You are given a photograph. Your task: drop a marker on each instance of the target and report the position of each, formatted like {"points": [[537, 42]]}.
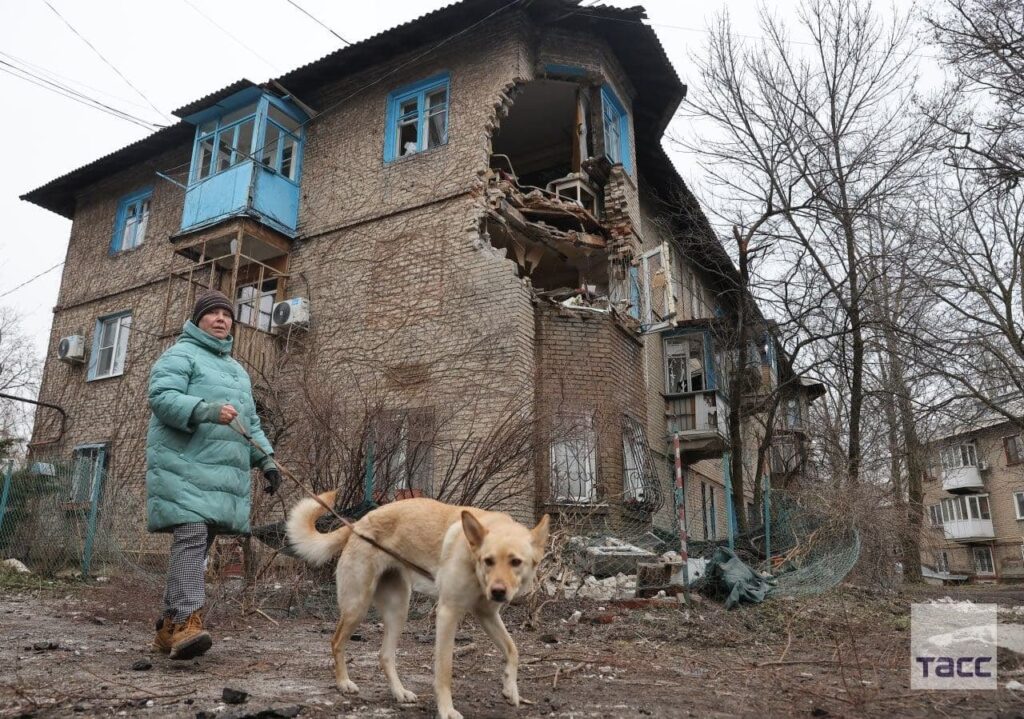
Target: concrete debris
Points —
{"points": [[16, 566]]}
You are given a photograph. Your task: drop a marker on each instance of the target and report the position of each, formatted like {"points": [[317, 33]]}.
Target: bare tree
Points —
{"points": [[983, 42], [19, 377], [816, 141]]}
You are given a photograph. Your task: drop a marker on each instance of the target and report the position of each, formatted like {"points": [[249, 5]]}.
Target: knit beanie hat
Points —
{"points": [[209, 300]]}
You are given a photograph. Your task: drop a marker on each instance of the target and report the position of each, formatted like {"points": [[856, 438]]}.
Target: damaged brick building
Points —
{"points": [[467, 218]]}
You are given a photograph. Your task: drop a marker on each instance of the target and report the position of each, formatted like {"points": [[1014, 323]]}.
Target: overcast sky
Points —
{"points": [[171, 53]]}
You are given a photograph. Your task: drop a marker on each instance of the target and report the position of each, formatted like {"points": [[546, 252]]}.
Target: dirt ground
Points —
{"points": [[73, 649]]}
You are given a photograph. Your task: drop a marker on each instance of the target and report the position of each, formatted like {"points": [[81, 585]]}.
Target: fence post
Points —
{"points": [[8, 473], [368, 477], [681, 513], [768, 520], [729, 509], [97, 489]]}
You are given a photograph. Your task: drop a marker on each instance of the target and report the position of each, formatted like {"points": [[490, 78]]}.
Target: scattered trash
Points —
{"points": [[1014, 685]]}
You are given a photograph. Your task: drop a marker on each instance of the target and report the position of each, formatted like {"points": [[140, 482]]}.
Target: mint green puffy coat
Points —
{"points": [[199, 470]]}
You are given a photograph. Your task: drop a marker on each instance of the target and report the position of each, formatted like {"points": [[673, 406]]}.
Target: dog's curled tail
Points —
{"points": [[315, 547]]}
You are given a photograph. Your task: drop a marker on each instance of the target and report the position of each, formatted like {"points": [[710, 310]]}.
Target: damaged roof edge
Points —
{"points": [[637, 46]]}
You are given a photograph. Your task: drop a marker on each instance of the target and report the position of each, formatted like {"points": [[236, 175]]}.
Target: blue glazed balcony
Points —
{"points": [[247, 188], [246, 161]]}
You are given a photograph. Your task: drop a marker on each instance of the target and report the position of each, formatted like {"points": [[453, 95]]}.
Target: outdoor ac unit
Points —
{"points": [[291, 312], [982, 465], [71, 348]]}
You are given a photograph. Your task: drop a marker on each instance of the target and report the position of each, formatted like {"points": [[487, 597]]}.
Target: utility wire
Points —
{"points": [[224, 30], [75, 95], [32, 279], [56, 76], [101, 57], [317, 21]]}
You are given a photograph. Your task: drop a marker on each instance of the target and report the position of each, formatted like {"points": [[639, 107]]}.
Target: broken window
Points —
{"points": [[417, 118], [685, 364], [254, 304], [404, 452], [223, 142], [573, 460], [656, 269], [88, 463], [616, 129], [131, 221], [709, 515], [640, 480]]}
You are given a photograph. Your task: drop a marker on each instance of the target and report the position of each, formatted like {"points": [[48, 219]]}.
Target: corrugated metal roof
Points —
{"points": [[635, 44]]}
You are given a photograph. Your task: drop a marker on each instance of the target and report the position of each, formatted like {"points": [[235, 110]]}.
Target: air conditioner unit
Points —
{"points": [[982, 466], [291, 312], [71, 348]]}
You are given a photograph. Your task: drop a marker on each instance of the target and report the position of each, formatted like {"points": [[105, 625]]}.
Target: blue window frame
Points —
{"points": [[110, 345], [264, 131], [417, 117], [616, 129], [131, 220]]}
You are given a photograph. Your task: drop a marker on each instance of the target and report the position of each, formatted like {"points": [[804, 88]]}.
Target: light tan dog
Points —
{"points": [[480, 560]]}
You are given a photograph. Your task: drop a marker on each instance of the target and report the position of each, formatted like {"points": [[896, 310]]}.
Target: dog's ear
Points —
{"points": [[539, 535], [475, 531]]}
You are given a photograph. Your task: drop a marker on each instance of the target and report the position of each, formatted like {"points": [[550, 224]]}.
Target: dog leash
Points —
{"points": [[237, 426]]}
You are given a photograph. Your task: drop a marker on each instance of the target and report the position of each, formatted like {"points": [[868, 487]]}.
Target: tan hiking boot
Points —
{"points": [[164, 629], [190, 639]]}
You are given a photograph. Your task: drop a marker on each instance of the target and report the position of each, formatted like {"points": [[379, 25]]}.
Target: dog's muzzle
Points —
{"points": [[499, 594]]}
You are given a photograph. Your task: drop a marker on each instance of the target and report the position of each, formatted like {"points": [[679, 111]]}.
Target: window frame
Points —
{"points": [[1018, 504], [254, 304], [100, 462], [991, 560], [956, 456], [121, 328], [419, 90], [1018, 443], [262, 121], [708, 378], [144, 200], [613, 112], [580, 445]]}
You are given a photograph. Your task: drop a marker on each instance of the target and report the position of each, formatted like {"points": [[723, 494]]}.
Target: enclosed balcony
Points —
{"points": [[701, 420], [969, 530], [246, 161], [967, 518], [962, 480], [961, 469]]}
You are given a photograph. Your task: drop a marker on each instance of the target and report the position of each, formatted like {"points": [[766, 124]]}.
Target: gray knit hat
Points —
{"points": [[209, 300]]}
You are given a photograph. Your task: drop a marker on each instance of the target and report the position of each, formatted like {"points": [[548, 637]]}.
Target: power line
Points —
{"points": [[40, 69], [101, 57], [232, 36], [317, 21], [75, 95], [32, 279]]}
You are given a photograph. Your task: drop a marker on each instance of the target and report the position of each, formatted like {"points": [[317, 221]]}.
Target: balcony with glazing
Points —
{"points": [[961, 470], [967, 518], [246, 161], [696, 409]]}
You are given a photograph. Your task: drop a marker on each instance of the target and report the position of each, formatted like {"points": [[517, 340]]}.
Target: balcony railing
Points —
{"points": [[961, 480], [700, 419], [255, 349], [968, 530]]}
